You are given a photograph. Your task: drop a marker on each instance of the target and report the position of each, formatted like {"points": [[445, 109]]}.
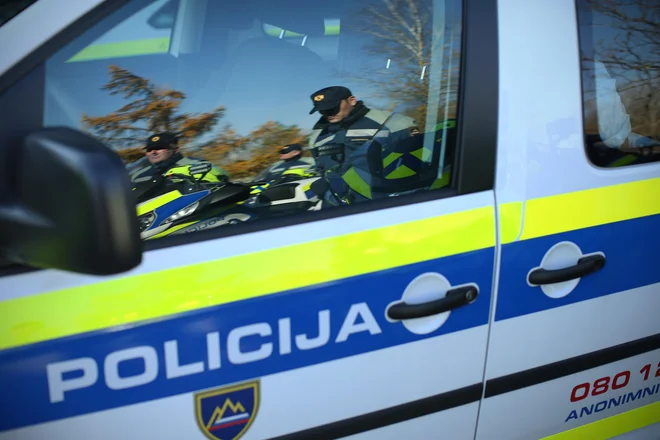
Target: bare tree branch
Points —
{"points": [[629, 48]]}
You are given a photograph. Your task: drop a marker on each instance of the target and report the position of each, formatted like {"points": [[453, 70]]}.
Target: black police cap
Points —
{"points": [[329, 97], [159, 141]]}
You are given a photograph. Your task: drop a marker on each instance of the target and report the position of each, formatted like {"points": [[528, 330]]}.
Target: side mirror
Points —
{"points": [[70, 206]]}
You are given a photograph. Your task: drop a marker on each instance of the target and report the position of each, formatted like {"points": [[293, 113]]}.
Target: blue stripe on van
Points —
{"points": [[24, 391], [632, 252]]}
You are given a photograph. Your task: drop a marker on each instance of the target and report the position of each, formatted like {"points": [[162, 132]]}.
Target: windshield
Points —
{"points": [[150, 188]]}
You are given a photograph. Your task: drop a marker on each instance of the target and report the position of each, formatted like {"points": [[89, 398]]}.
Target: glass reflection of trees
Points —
{"points": [[411, 44], [624, 36]]}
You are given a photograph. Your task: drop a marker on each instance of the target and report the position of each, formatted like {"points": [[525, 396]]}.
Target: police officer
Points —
{"points": [[163, 153], [346, 124], [290, 159]]}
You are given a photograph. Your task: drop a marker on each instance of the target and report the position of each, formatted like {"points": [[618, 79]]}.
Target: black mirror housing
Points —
{"points": [[70, 206]]}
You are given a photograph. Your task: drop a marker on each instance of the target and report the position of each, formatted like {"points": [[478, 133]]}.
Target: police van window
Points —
{"points": [[226, 112], [620, 51]]}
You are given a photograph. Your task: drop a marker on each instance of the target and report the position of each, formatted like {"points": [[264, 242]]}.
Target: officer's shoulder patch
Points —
{"points": [[200, 168], [227, 413]]}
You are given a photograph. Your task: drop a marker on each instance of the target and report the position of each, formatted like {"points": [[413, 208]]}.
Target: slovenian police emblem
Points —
{"points": [[227, 413]]}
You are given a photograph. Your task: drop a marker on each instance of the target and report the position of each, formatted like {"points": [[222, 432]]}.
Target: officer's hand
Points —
{"points": [[333, 150]]}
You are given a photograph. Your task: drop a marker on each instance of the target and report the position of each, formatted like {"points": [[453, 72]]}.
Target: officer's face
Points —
{"points": [[157, 156], [345, 108], [289, 155]]}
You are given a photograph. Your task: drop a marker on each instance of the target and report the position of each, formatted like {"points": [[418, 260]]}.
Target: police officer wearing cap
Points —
{"points": [[163, 153], [290, 159], [346, 124]]}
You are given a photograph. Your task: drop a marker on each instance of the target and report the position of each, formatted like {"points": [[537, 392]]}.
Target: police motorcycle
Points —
{"points": [[297, 190], [178, 204], [293, 191]]}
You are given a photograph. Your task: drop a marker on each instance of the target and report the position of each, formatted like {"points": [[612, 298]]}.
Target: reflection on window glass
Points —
{"points": [[147, 32], [226, 112], [620, 46]]}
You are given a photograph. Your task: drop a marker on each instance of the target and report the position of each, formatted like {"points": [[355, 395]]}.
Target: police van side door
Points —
{"points": [[575, 341], [318, 325]]}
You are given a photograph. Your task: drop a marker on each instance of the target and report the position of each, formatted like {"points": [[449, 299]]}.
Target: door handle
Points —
{"points": [[585, 266], [454, 298]]}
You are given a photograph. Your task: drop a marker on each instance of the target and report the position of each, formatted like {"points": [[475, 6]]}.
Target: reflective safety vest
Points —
{"points": [[186, 166], [359, 132], [396, 160]]}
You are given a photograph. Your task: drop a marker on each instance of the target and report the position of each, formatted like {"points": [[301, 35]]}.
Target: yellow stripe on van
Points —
{"points": [[593, 207], [610, 427], [128, 300], [511, 218]]}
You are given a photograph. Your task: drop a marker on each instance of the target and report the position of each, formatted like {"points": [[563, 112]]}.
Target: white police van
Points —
{"points": [[520, 301]]}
